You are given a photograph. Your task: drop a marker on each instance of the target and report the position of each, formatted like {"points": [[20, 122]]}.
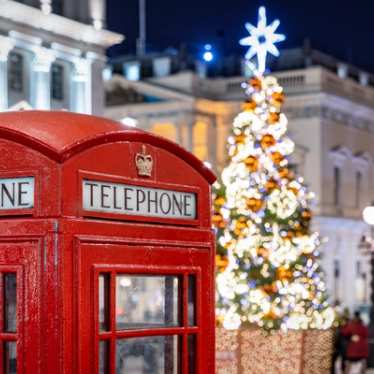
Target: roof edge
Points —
{"points": [[108, 137]]}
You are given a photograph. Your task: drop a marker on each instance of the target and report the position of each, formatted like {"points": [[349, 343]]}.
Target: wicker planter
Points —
{"points": [[251, 351]]}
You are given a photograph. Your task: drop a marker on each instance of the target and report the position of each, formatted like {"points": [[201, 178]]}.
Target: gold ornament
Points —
{"points": [[284, 274], [254, 204], [218, 220], [267, 141], [251, 163], [219, 201], [222, 262]]}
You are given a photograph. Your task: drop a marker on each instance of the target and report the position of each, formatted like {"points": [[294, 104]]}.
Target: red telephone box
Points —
{"points": [[106, 253]]}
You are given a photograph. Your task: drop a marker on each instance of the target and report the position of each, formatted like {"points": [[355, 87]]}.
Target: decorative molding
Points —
{"points": [[339, 155], [329, 114], [362, 161]]}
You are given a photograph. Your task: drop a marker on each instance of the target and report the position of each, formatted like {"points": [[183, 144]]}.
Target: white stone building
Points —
{"points": [[330, 107], [52, 54]]}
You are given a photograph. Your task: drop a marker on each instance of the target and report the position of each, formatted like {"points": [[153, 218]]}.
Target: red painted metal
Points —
{"points": [[57, 249]]}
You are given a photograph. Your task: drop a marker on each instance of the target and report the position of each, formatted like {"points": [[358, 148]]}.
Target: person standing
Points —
{"points": [[358, 344]]}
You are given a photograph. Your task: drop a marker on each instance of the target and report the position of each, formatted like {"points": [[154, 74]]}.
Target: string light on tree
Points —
{"points": [[267, 255]]}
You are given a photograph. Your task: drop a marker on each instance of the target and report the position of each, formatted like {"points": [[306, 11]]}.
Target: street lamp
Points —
{"points": [[367, 247]]}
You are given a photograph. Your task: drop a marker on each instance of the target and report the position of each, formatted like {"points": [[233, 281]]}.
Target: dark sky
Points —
{"points": [[342, 28]]}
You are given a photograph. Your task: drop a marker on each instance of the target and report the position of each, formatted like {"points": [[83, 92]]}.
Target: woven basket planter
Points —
{"points": [[251, 351]]}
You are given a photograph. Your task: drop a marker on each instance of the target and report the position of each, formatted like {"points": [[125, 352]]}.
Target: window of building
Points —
{"points": [[58, 6], [358, 188], [200, 140], [166, 130], [15, 72], [57, 82], [337, 185]]}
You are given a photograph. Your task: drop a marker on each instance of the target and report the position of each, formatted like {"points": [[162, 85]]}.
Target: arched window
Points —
{"points": [[337, 185], [15, 72], [358, 188], [57, 82], [58, 7]]}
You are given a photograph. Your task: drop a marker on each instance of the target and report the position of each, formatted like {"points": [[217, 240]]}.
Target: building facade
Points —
{"points": [[331, 119], [52, 54]]}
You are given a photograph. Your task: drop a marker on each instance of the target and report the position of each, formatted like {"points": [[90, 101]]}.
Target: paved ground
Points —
{"points": [[370, 371]]}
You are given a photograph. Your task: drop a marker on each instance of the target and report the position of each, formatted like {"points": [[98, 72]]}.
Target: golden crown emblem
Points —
{"points": [[144, 163]]}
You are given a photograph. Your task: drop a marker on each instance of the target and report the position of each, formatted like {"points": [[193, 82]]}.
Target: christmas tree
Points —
{"points": [[267, 255]]}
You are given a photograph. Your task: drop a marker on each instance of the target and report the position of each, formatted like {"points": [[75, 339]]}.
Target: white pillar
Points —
{"points": [[46, 6], [6, 45], [41, 79], [80, 87]]}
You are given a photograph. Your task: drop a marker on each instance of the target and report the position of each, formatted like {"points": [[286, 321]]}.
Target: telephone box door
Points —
{"points": [[18, 307], [146, 309]]}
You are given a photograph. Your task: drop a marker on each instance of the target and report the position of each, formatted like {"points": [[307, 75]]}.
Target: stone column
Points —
{"points": [[80, 87], [6, 45], [41, 79]]}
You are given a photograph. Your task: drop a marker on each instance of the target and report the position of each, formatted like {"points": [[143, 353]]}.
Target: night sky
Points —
{"points": [[344, 29]]}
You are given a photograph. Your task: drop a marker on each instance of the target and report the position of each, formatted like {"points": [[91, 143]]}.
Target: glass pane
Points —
{"points": [[146, 301], [191, 354], [103, 357], [191, 300], [10, 358], [149, 355], [10, 297], [104, 302]]}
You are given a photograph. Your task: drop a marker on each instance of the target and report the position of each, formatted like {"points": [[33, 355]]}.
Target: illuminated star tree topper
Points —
{"points": [[262, 39]]}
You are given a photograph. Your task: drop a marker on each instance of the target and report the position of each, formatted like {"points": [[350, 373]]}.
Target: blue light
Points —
{"points": [[208, 55]]}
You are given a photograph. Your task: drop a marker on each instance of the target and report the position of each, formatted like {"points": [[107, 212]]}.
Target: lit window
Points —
{"points": [[132, 71], [57, 82], [166, 130], [337, 177], [200, 140], [15, 72], [358, 187]]}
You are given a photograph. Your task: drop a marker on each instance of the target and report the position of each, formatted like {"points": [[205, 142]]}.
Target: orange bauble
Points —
{"points": [[267, 141], [271, 185], [270, 289], [249, 106], [219, 201], [263, 252], [277, 157], [307, 215], [285, 173], [256, 83], [251, 163], [277, 99], [254, 204], [222, 262], [273, 118], [218, 220], [239, 139]]}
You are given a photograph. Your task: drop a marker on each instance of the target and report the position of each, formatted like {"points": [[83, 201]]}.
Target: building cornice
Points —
{"points": [[35, 18]]}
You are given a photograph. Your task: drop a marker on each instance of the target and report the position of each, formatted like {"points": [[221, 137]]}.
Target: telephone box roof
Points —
{"points": [[60, 135]]}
